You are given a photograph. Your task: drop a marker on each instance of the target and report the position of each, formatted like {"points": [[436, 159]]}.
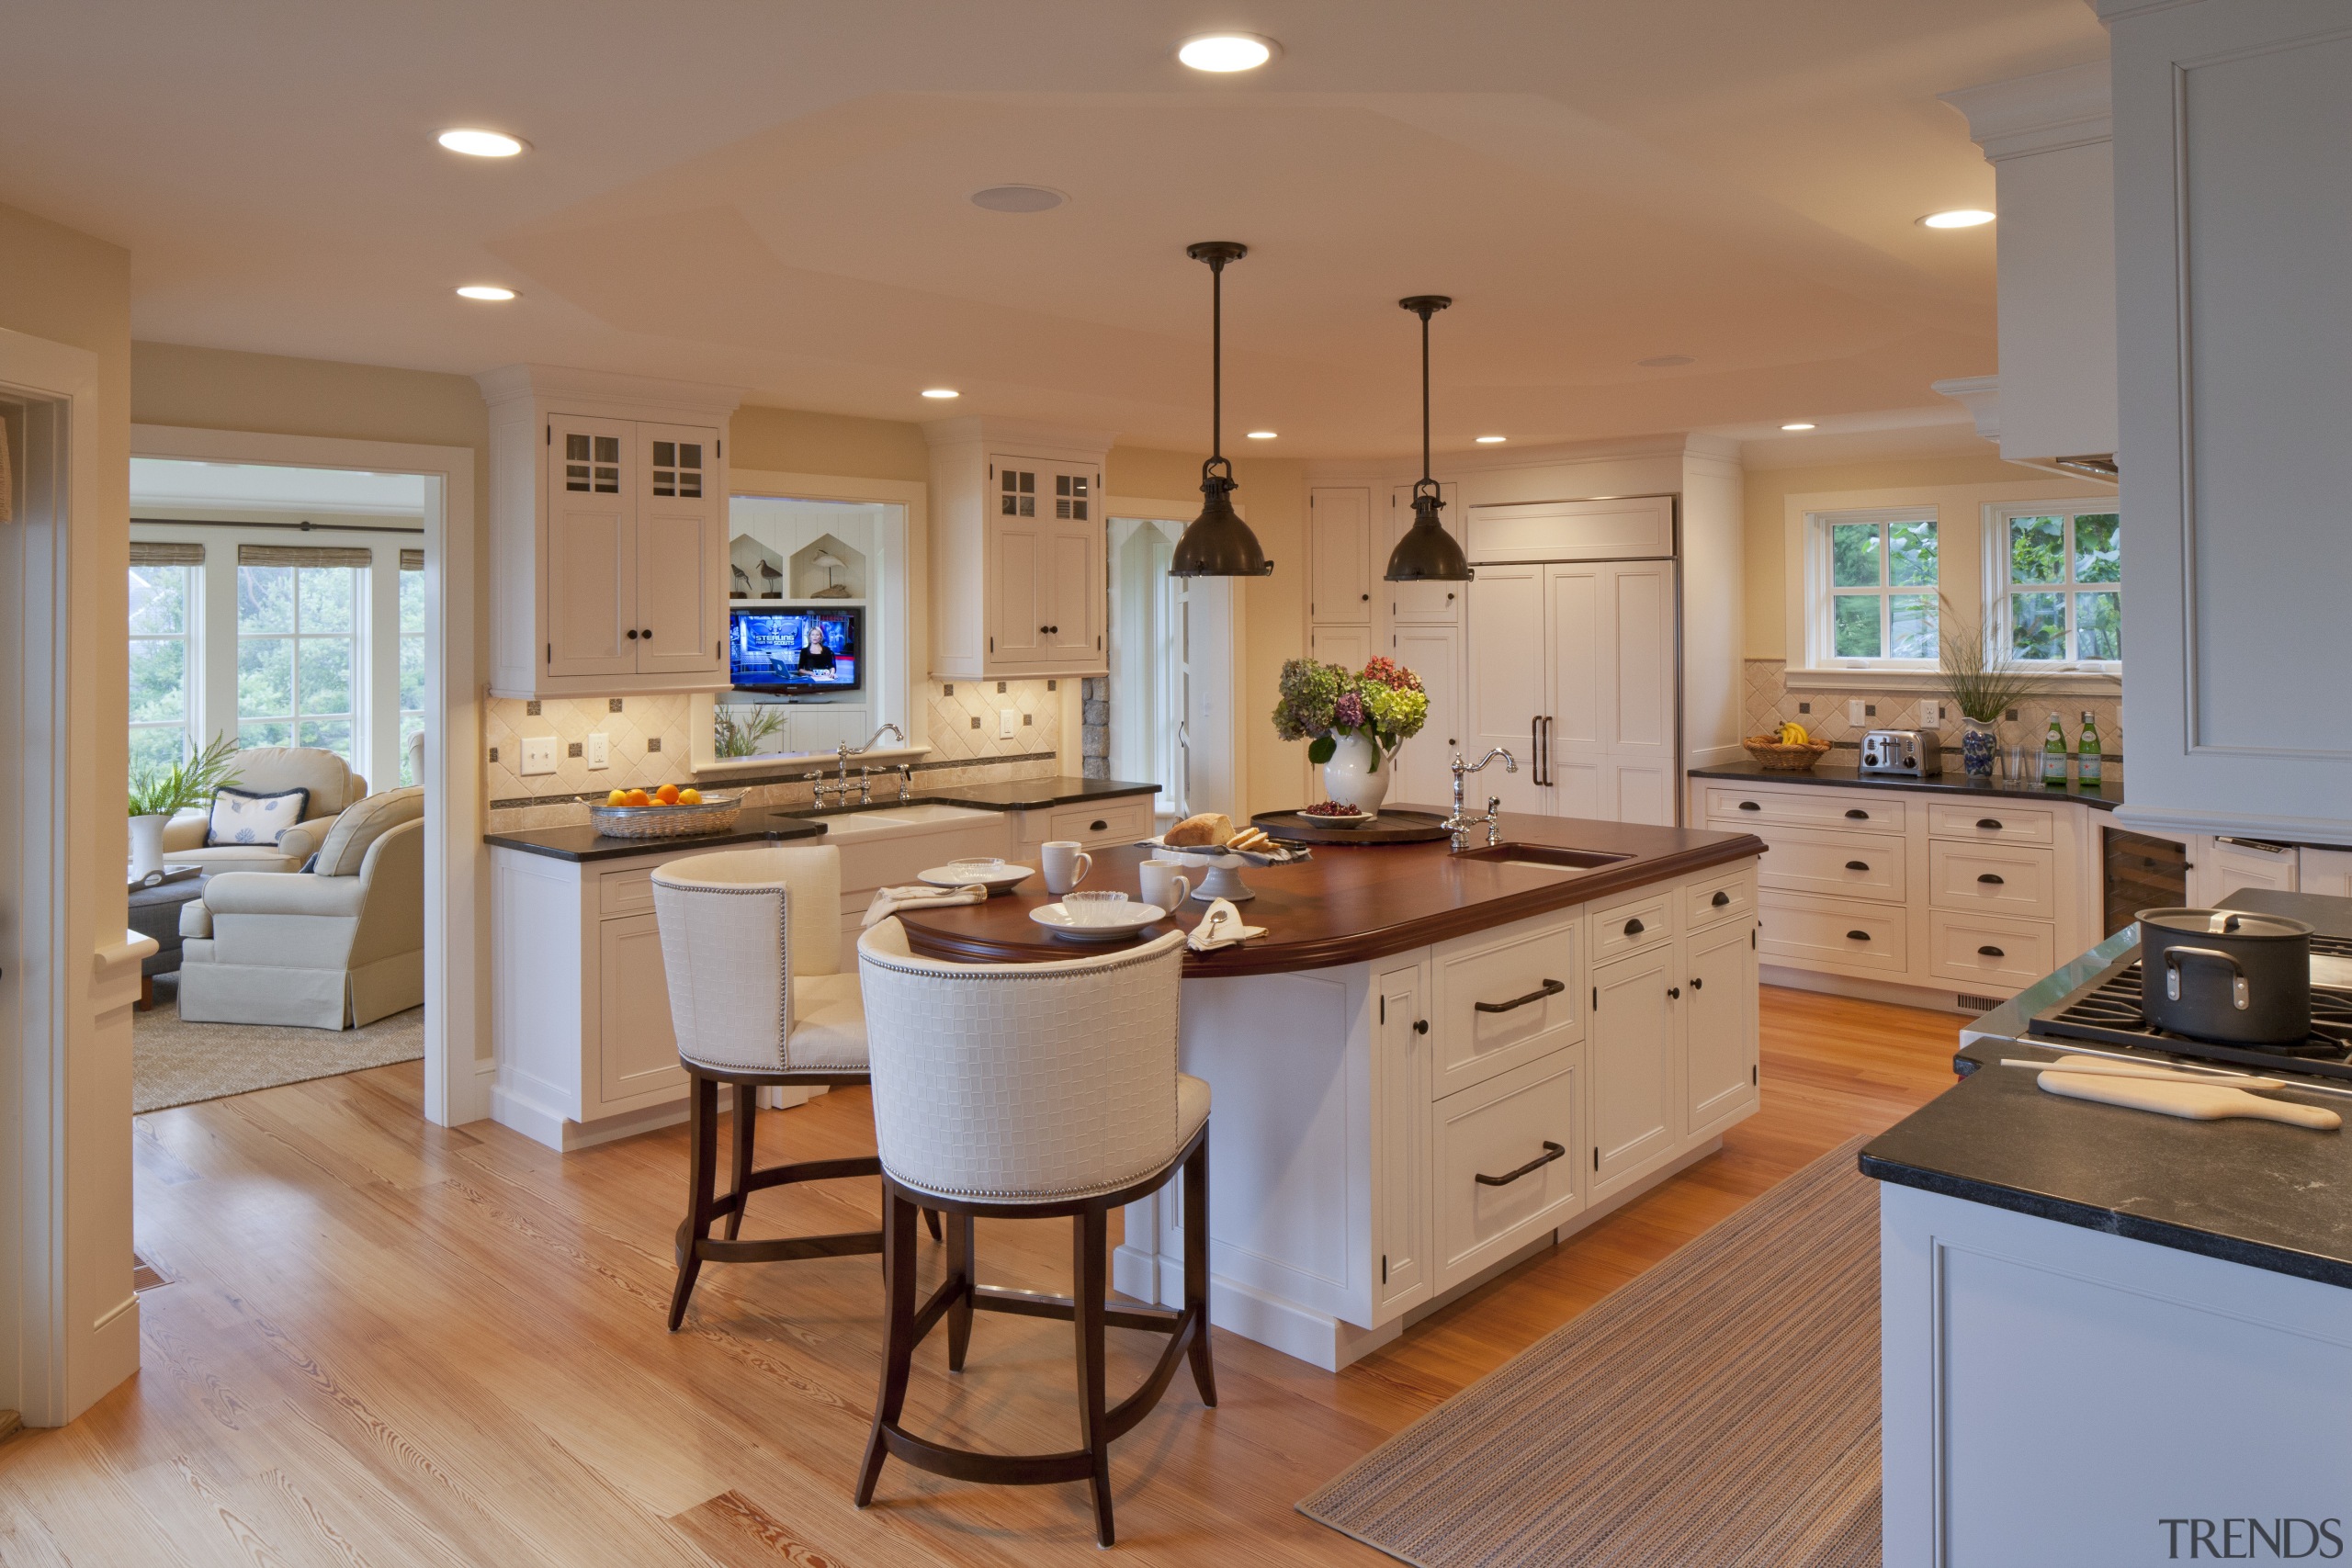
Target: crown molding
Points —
{"points": [[592, 391], [1981, 396], [2043, 113], [1025, 436]]}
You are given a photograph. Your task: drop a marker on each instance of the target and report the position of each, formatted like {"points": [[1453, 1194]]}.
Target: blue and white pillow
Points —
{"points": [[241, 816]]}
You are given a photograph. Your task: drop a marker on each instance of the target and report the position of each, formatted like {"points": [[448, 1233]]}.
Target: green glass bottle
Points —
{"points": [[2053, 755], [2086, 751]]}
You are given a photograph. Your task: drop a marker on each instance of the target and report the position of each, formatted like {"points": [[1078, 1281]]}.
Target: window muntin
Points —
{"points": [[297, 657], [1878, 584], [412, 674], [163, 677], [2059, 586]]}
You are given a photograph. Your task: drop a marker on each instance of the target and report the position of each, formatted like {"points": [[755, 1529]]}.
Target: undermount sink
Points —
{"points": [[1547, 857], [851, 824]]}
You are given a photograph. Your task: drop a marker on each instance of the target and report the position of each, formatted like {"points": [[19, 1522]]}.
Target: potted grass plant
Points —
{"points": [[1984, 684], [157, 794], [746, 736]]}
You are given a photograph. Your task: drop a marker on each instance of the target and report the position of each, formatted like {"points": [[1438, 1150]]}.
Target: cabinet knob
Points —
{"points": [[646, 632], [1991, 951], [1858, 815], [1994, 878], [632, 634], [1421, 1026], [1698, 984], [1674, 993], [1857, 865]]}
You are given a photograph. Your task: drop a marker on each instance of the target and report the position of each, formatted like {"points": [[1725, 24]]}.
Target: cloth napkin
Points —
{"points": [[1221, 927], [888, 901]]}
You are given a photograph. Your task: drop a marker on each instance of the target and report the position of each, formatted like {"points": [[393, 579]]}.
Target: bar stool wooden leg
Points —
{"points": [[702, 1183], [898, 1342], [1091, 1281], [747, 1110], [960, 1267], [1196, 1266]]}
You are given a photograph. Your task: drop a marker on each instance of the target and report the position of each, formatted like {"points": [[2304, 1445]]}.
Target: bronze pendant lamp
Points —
{"points": [[1217, 544], [1427, 553]]}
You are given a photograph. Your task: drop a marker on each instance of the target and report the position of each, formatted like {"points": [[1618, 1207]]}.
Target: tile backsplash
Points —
{"points": [[1769, 700]]}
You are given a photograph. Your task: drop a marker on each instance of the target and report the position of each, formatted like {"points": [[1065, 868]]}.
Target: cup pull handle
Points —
{"points": [[1634, 928], [1990, 952], [1858, 815], [1990, 824], [1857, 865], [1720, 899], [1858, 936], [1991, 878], [1749, 805]]}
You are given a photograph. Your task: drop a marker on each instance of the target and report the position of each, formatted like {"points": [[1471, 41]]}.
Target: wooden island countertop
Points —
{"points": [[1350, 904]]}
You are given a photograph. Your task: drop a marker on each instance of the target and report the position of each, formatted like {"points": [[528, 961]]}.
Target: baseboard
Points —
{"points": [[562, 1133], [1891, 992]]}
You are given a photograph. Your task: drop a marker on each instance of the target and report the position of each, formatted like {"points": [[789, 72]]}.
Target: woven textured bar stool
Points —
{"points": [[750, 940], [1031, 1091]]}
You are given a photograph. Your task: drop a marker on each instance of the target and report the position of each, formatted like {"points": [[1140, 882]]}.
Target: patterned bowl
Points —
{"points": [[712, 814]]}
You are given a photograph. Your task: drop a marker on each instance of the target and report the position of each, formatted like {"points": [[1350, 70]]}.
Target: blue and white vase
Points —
{"points": [[1980, 748]]}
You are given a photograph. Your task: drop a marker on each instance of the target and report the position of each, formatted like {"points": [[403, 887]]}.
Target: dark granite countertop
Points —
{"points": [[1029, 795], [2105, 797], [2252, 1192], [583, 842]]}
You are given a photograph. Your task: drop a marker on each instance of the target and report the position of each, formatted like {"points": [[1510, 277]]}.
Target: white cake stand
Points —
{"points": [[1224, 868]]}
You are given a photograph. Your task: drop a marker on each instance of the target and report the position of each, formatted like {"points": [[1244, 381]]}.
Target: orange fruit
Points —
{"points": [[667, 794], [638, 797]]}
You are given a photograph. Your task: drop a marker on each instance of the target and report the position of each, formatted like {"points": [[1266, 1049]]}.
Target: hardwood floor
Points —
{"points": [[386, 1343]]}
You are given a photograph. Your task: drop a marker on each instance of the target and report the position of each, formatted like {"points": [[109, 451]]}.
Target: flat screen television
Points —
{"points": [[800, 651]]}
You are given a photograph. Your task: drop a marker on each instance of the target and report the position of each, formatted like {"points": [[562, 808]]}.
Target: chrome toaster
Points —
{"points": [[1914, 752]]}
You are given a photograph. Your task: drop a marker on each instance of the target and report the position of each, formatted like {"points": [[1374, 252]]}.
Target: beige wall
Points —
{"points": [[792, 441], [72, 289]]}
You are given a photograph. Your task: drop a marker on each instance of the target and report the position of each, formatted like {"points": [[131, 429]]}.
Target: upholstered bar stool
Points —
{"points": [[1031, 1091], [750, 940]]}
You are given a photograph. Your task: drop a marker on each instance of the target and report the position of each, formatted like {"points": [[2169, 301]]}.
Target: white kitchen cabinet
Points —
{"points": [[2328, 872], [1593, 721], [1019, 551], [1505, 1157], [2227, 865], [1348, 645], [1340, 576], [609, 535], [1631, 1046], [1402, 1040], [1720, 1023], [1424, 764], [1623, 528]]}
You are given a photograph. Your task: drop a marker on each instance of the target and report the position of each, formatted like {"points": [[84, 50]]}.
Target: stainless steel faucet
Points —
{"points": [[865, 779], [816, 782], [886, 729], [1458, 825], [865, 786], [906, 783]]}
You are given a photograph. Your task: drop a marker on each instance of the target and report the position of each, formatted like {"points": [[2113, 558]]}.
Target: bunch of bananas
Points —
{"points": [[1791, 733]]}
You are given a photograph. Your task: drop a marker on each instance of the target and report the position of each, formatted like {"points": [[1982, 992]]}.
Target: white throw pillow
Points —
{"points": [[362, 824], [240, 816]]}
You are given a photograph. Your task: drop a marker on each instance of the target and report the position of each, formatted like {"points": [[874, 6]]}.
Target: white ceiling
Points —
{"points": [[772, 193]]}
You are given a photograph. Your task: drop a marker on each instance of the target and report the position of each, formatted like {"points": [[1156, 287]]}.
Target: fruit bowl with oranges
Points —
{"points": [[674, 811]]}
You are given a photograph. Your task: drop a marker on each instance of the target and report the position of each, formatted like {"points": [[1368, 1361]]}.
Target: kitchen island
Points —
{"points": [[1434, 1063], [2110, 1337]]}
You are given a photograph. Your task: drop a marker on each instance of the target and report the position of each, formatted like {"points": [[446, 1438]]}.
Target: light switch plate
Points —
{"points": [[538, 754], [1854, 711], [600, 750], [1007, 721]]}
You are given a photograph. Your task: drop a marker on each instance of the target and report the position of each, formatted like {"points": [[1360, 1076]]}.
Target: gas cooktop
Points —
{"points": [[2107, 1011]]}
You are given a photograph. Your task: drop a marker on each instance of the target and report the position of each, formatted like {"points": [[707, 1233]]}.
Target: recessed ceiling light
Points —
{"points": [[1018, 198], [1958, 218], [941, 392], [481, 143], [1492, 440], [1665, 361], [1262, 434], [1800, 424], [1226, 51], [485, 291]]}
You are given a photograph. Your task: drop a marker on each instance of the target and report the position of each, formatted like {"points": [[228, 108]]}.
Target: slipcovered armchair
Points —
{"points": [[268, 770], [332, 948]]}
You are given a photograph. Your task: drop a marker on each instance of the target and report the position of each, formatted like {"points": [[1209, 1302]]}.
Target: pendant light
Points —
{"points": [[1219, 544], [1427, 553]]}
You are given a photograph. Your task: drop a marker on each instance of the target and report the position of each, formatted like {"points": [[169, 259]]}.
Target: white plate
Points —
{"points": [[1325, 820], [1133, 917], [1004, 881]]}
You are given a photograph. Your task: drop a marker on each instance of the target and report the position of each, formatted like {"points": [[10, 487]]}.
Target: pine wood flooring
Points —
{"points": [[388, 1343]]}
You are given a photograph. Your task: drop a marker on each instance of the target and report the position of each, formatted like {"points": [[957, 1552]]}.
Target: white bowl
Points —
{"points": [[1004, 879], [1132, 918]]}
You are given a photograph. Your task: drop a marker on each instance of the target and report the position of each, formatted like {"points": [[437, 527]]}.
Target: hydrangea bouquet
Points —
{"points": [[1321, 702]]}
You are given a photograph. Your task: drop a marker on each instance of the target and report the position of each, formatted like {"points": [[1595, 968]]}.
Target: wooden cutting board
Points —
{"points": [[2192, 1101]]}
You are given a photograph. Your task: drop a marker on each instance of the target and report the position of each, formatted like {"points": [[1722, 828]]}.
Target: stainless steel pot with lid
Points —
{"points": [[2230, 975]]}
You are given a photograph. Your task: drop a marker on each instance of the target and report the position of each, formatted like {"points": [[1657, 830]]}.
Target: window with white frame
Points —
{"points": [[2056, 574], [412, 670], [298, 614], [163, 600], [1872, 581]]}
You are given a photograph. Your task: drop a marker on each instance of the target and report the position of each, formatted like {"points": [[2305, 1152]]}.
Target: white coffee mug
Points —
{"points": [[1065, 865], [1164, 885]]}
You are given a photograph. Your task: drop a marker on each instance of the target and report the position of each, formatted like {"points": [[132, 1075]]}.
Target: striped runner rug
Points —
{"points": [[1719, 1412]]}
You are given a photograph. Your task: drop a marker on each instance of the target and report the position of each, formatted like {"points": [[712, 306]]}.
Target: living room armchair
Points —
{"points": [[332, 948], [267, 769]]}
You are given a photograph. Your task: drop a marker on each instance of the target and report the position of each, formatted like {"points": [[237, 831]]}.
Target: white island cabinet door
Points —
{"points": [[1506, 690], [590, 576], [1632, 1038], [680, 621], [1401, 1035], [1719, 1025]]}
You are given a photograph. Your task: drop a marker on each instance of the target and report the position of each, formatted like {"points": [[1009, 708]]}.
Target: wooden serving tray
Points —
{"points": [[1391, 826]]}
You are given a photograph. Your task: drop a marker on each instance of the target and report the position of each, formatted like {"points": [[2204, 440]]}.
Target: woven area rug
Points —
{"points": [[1719, 1412], [174, 1061]]}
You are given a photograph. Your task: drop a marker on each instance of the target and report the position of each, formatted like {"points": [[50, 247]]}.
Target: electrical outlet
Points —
{"points": [[538, 754], [1007, 721], [600, 749], [1931, 714], [1854, 711]]}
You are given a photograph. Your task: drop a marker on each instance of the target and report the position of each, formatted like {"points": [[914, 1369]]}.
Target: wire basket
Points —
{"points": [[1782, 758], [712, 814]]}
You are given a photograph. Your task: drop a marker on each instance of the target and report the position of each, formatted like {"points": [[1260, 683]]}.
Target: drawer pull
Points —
{"points": [[1749, 805], [1857, 865], [1990, 824], [1720, 899], [1989, 951], [1634, 928], [1992, 877], [1098, 826], [1551, 1151], [1548, 988], [1858, 936], [1858, 815]]}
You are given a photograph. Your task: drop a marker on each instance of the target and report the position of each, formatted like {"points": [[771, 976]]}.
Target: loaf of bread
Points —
{"points": [[1208, 830]]}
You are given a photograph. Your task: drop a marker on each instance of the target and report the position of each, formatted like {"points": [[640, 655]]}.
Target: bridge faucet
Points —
{"points": [[817, 790], [1459, 825]]}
